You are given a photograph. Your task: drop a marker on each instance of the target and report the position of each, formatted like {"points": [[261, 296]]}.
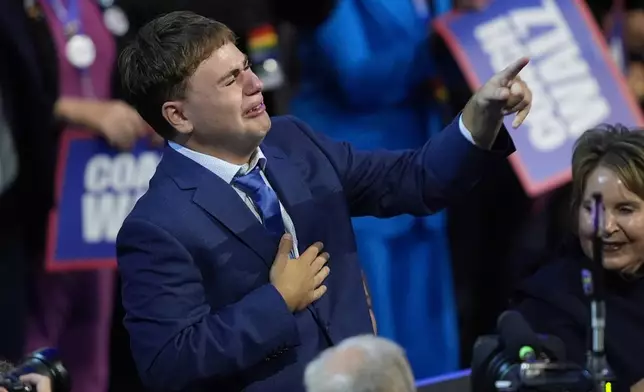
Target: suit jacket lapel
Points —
{"points": [[220, 200], [287, 181], [287, 178]]}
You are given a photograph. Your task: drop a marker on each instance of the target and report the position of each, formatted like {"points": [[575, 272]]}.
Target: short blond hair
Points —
{"points": [[616, 148]]}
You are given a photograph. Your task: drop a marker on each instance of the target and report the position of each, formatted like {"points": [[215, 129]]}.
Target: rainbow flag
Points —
{"points": [[262, 43]]}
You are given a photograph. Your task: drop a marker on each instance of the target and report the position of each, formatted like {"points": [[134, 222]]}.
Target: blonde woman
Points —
{"points": [[607, 160]]}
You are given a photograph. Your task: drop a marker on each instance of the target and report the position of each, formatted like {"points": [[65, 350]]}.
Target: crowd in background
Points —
{"points": [[366, 71]]}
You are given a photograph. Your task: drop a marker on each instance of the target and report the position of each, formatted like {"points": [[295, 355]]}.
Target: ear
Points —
{"points": [[174, 114]]}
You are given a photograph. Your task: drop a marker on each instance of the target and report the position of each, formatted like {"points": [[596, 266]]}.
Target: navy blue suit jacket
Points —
{"points": [[194, 260]]}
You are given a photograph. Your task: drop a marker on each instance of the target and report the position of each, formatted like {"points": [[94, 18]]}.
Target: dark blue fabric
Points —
{"points": [[195, 262], [553, 302], [264, 198]]}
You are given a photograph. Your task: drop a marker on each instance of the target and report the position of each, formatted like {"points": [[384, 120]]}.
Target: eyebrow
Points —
{"points": [[235, 71], [625, 203]]}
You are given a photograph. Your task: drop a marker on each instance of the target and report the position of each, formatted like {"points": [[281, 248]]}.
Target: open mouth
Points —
{"points": [[613, 246], [256, 110]]}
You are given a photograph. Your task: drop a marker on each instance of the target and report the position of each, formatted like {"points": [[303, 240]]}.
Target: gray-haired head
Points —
{"points": [[360, 364]]}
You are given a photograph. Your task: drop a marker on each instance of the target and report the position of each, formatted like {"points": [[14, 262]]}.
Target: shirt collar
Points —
{"points": [[224, 170]]}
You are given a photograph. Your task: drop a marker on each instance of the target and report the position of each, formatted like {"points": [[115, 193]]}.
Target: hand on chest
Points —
{"points": [[238, 249]]}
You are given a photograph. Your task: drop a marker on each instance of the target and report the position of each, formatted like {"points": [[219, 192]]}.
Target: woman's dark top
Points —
{"points": [[553, 302]]}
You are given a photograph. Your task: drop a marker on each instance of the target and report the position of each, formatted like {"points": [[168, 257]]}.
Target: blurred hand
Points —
{"points": [[504, 94], [635, 79], [116, 121], [156, 140], [639, 387], [42, 383], [634, 31]]}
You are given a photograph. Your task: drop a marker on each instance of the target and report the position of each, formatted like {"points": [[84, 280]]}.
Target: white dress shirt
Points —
{"points": [[227, 172]]}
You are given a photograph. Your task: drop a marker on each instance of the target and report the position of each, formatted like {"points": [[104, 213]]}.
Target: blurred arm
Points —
{"points": [[368, 73], [419, 182]]}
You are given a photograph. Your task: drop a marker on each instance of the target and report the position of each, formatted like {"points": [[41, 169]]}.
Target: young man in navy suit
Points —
{"points": [[239, 264]]}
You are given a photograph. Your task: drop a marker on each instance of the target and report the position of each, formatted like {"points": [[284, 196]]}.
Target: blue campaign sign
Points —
{"points": [[96, 187], [575, 83]]}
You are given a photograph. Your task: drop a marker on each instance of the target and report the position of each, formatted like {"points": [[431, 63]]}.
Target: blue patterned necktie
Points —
{"points": [[265, 199]]}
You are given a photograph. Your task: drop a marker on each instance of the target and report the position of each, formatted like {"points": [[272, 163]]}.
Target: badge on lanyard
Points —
{"points": [[80, 50], [116, 21]]}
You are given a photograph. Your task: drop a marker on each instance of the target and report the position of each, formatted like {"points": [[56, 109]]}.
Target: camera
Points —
{"points": [[44, 362], [519, 360], [494, 369]]}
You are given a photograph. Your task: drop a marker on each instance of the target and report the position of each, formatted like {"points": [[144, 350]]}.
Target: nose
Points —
{"points": [[610, 225], [253, 84]]}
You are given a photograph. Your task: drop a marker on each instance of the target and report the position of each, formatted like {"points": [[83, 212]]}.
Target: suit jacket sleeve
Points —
{"points": [[418, 182], [176, 338]]}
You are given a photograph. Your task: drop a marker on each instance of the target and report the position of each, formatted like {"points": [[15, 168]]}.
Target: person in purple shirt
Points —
{"points": [[74, 45]]}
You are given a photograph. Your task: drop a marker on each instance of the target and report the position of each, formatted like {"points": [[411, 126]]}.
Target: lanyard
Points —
{"points": [[80, 50], [69, 16]]}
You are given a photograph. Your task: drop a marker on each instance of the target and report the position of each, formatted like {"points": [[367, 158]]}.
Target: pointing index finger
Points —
{"points": [[512, 71]]}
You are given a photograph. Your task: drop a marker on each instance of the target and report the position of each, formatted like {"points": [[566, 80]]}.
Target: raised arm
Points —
{"points": [[386, 183], [176, 338]]}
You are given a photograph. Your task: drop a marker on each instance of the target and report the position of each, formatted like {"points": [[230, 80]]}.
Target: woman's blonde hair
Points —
{"points": [[616, 148]]}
